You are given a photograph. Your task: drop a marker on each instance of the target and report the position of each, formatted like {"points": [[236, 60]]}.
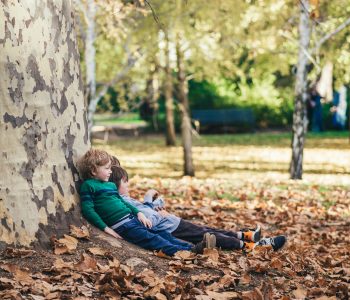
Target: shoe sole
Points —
{"points": [[285, 242], [210, 240], [257, 234]]}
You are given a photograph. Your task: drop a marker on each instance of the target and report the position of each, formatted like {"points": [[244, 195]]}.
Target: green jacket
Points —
{"points": [[101, 204]]}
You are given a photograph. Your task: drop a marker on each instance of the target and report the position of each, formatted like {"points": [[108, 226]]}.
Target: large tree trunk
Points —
{"points": [[186, 128], [169, 102], [300, 115], [43, 124]]}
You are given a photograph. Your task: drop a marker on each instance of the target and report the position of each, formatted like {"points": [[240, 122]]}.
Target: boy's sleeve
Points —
{"points": [[88, 207], [134, 210]]}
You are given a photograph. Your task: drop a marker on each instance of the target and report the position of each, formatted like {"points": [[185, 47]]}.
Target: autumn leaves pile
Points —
{"points": [[315, 264]]}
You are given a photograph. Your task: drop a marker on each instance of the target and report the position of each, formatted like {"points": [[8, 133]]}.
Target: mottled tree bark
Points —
{"points": [[300, 115], [186, 128], [43, 127], [169, 101]]}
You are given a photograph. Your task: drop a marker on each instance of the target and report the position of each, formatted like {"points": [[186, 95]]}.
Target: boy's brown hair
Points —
{"points": [[91, 160], [118, 173], [115, 161]]}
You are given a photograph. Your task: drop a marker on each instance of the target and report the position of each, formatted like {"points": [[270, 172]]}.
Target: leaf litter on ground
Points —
{"points": [[315, 263]]}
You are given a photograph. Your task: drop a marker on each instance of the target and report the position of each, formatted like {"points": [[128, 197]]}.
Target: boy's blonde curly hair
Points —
{"points": [[91, 160]]}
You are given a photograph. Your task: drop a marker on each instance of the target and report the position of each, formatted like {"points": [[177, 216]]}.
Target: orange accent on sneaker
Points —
{"points": [[249, 246], [248, 235], [251, 235]]}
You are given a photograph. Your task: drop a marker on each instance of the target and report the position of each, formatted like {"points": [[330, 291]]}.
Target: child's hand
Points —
{"points": [[112, 233], [142, 218], [150, 194]]}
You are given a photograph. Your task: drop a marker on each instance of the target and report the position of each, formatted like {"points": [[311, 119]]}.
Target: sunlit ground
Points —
{"points": [[255, 157]]}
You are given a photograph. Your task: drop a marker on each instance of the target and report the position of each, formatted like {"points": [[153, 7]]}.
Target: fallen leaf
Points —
{"points": [[300, 293], [80, 233], [98, 251], [67, 244], [185, 255], [13, 252], [86, 263], [212, 254], [21, 276]]}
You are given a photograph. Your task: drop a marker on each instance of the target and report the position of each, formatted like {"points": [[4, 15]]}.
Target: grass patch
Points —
{"points": [[237, 157], [110, 119], [326, 140]]}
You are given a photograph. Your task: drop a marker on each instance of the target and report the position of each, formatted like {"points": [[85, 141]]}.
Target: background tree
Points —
{"points": [[101, 21], [299, 116], [43, 128], [168, 94], [186, 127]]}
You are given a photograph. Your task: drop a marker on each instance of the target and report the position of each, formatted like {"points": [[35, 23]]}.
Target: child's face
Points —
{"points": [[123, 187], [103, 172]]}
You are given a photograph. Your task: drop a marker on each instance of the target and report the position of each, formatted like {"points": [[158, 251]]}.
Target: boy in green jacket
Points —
{"points": [[103, 207]]}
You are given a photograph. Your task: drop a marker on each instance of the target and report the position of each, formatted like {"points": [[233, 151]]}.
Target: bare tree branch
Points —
{"points": [[331, 34], [129, 64], [307, 53], [155, 17]]}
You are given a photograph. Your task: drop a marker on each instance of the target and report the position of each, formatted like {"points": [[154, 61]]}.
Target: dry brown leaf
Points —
{"points": [[80, 233], [219, 295], [21, 276], [160, 296], [185, 255], [245, 279], [212, 254], [255, 294], [53, 296], [86, 263], [243, 263], [276, 263], [161, 254], [115, 263], [10, 295], [37, 297], [300, 293], [98, 251], [60, 264], [67, 244], [14, 252]]}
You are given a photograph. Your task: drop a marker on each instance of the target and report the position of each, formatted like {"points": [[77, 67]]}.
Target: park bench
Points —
{"points": [[233, 119], [104, 131]]}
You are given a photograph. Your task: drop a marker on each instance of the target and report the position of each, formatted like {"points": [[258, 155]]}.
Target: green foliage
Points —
{"points": [[239, 55], [270, 107]]}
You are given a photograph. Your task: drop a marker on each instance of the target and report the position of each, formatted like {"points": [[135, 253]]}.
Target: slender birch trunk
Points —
{"points": [[169, 101], [300, 114], [186, 132], [43, 129], [90, 61]]}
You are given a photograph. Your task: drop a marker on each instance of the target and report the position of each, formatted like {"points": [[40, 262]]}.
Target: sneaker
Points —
{"points": [[209, 242], [276, 242], [248, 247], [251, 235]]}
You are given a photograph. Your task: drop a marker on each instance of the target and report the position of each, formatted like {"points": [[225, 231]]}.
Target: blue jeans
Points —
{"points": [[135, 232]]}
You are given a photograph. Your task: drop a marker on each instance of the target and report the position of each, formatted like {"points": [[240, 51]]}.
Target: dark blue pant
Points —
{"points": [[135, 232], [194, 233]]}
